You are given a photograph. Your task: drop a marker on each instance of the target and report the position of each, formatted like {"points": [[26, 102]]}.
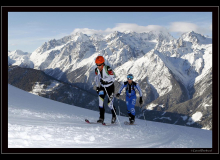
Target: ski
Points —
{"points": [[127, 123], [87, 121], [104, 124], [108, 124]]}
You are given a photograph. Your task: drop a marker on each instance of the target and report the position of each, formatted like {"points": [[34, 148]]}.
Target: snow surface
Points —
{"points": [[37, 122]]}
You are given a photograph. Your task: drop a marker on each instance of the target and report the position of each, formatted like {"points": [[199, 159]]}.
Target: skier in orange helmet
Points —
{"points": [[104, 79]]}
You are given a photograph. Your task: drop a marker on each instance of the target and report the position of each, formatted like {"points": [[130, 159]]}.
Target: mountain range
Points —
{"points": [[175, 75]]}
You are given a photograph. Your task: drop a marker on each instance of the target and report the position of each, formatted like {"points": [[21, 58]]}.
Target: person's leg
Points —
{"points": [[131, 108], [101, 104], [110, 90]]}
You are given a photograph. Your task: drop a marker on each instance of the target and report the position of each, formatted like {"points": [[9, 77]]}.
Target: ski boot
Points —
{"points": [[100, 120], [132, 122], [131, 118], [113, 120], [102, 112]]}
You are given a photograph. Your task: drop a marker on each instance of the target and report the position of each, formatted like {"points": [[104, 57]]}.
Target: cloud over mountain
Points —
{"points": [[177, 27]]}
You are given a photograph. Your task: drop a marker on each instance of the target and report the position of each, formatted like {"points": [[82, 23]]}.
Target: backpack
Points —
{"points": [[132, 85]]}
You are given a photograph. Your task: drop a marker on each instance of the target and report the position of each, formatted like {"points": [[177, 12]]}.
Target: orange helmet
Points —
{"points": [[99, 60]]}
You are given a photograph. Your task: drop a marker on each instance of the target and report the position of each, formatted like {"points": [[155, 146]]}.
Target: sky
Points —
{"points": [[29, 30]]}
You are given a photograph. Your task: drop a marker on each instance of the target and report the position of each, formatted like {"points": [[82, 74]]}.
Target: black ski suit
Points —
{"points": [[105, 82]]}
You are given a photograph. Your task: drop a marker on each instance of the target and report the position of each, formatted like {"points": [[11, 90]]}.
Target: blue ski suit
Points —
{"points": [[131, 95]]}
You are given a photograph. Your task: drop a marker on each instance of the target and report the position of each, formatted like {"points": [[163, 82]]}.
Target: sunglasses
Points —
{"points": [[99, 64], [130, 77]]}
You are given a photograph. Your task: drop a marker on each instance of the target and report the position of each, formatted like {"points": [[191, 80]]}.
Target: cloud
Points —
{"points": [[134, 27], [121, 27], [174, 27], [182, 27], [88, 31]]}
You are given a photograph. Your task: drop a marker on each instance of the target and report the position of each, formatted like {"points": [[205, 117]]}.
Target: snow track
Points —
{"points": [[37, 122]]}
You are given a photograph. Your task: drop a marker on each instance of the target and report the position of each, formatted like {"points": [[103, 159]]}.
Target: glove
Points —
{"points": [[140, 101], [118, 95], [97, 89], [103, 82]]}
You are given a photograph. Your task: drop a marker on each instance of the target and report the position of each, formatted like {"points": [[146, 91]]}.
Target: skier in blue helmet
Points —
{"points": [[131, 88]]}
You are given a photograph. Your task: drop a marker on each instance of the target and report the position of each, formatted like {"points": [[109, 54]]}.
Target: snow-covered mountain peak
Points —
{"points": [[128, 31], [113, 35], [80, 37], [18, 52], [121, 47], [96, 37], [195, 38], [48, 45], [160, 35], [118, 48], [19, 57], [151, 35]]}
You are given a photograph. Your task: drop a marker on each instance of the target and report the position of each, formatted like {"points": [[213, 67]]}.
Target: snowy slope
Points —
{"points": [[34, 121]]}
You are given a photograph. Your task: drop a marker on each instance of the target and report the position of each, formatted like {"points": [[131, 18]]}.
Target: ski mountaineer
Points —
{"points": [[130, 86], [105, 77]]}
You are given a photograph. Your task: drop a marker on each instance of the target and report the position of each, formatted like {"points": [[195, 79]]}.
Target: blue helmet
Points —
{"points": [[130, 77]]}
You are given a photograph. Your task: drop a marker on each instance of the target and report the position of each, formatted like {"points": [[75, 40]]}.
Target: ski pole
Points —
{"points": [[118, 102], [112, 105], [118, 108]]}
